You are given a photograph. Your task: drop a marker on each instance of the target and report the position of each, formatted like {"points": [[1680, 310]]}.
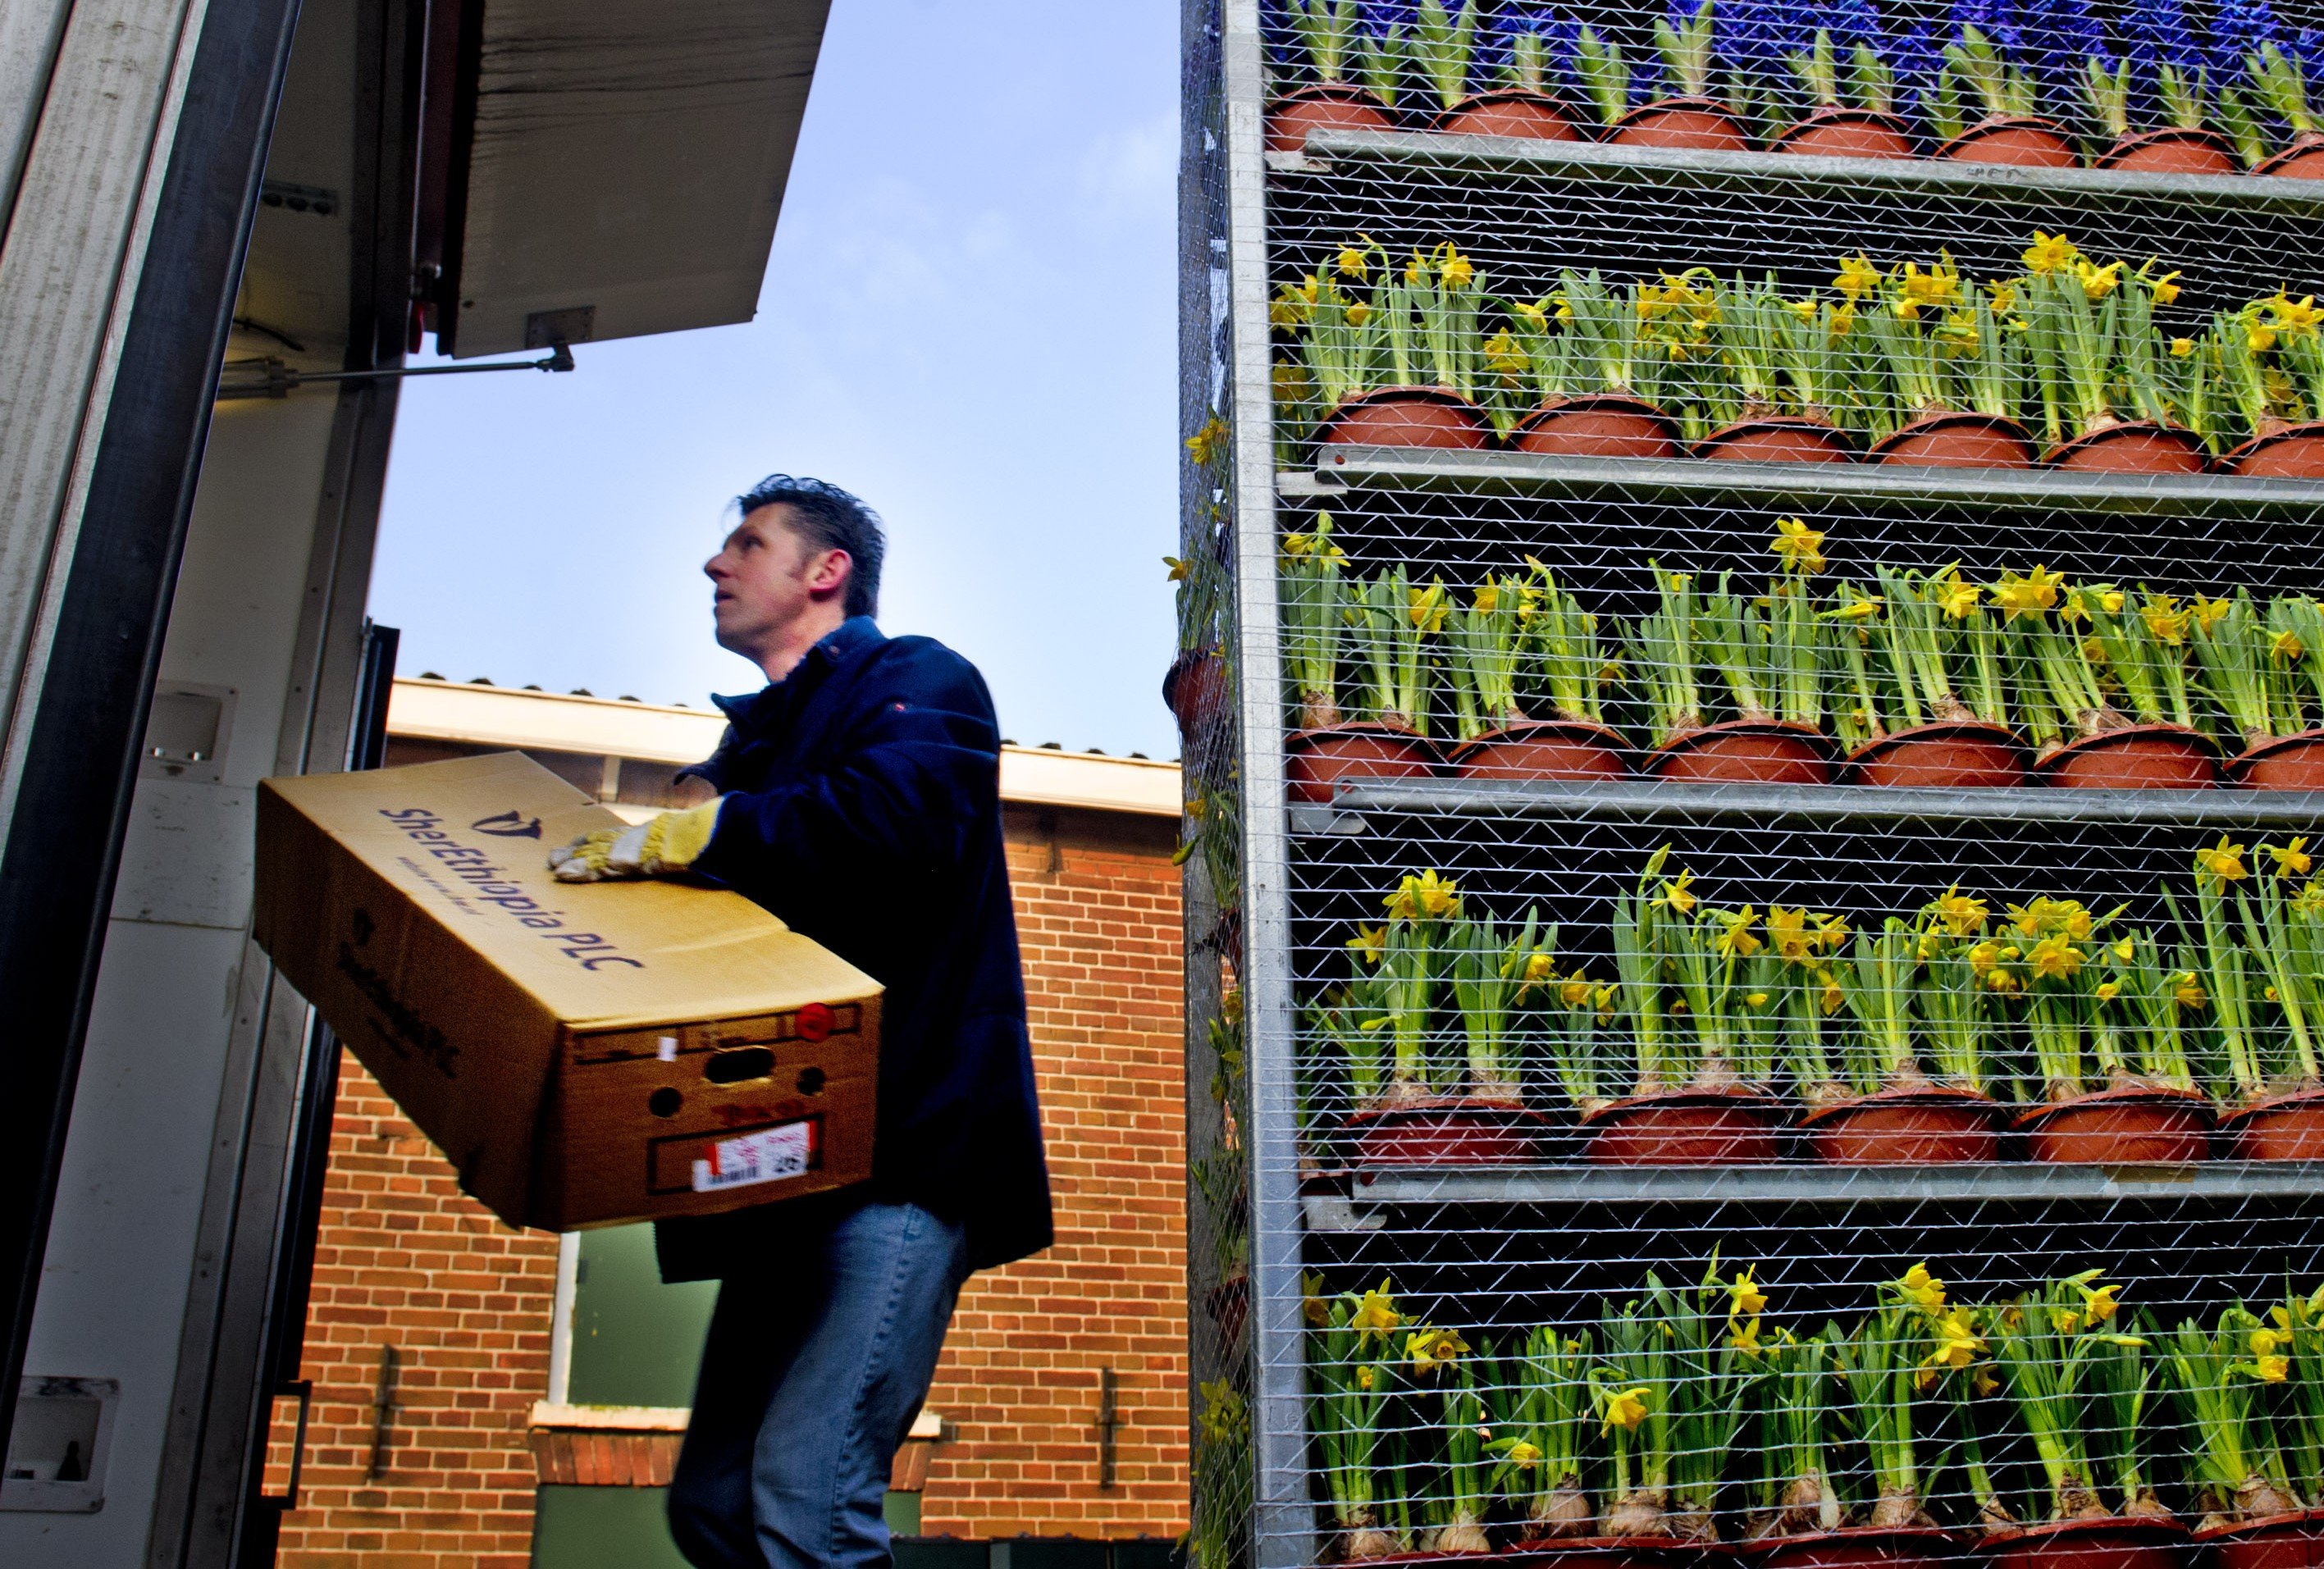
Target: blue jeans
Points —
{"points": [[811, 1375]]}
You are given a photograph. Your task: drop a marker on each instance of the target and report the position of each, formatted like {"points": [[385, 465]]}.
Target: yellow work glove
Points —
{"points": [[658, 847]]}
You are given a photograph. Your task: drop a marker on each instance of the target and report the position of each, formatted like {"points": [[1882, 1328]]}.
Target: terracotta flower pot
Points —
{"points": [[1447, 1130], [2020, 142], [2303, 160], [2118, 1128], [2280, 1128], [1314, 760], [2113, 1544], [1510, 113], [1745, 752], [1777, 440], [2143, 757], [2294, 452], [2294, 1541], [1701, 124], [2289, 762], [1942, 756], [1327, 107], [1598, 425], [1432, 417], [1847, 133], [1959, 439], [2173, 150], [1925, 1126], [1856, 1547], [1687, 1128], [1605, 1552], [1545, 748], [1198, 692], [2133, 447]]}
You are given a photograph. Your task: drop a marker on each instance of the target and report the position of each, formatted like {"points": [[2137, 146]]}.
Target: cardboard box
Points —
{"points": [[583, 1053]]}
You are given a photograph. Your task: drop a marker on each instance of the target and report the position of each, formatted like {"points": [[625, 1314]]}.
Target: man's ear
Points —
{"points": [[829, 572]]}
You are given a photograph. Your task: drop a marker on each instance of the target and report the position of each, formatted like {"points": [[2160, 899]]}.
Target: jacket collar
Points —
{"points": [[856, 635]]}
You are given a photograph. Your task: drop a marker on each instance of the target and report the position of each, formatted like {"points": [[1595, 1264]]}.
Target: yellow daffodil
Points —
{"points": [[2208, 613], [1745, 1338], [2186, 992], [1755, 1000], [1427, 897], [1487, 598], [1626, 1408], [2098, 1303], [1735, 940], [1922, 1289], [2123, 950], [1857, 278], [1353, 262], [2294, 319], [1958, 913], [1983, 958], [1744, 1297], [1538, 966], [2098, 282], [2181, 347], [1832, 998], [1523, 1456], [1364, 1379], [1375, 1314], [1955, 595], [2267, 1369], [2165, 620], [1455, 270], [1798, 546], [1958, 334], [1429, 1349], [1805, 310], [1958, 1345], [1534, 316], [2108, 991], [1676, 894], [1574, 993], [2028, 595], [2065, 1320], [2048, 253], [2264, 1341], [1359, 313], [1208, 442], [1841, 321], [1503, 358], [1940, 285], [2055, 959], [1864, 607], [1180, 570], [2165, 288], [1369, 942], [2223, 861], [1787, 930], [2292, 859], [1426, 608]]}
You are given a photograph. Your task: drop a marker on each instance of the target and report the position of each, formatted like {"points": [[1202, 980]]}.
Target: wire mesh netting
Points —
{"points": [[1753, 678]]}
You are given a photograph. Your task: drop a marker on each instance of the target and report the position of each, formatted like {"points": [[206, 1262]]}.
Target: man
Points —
{"points": [[859, 801]]}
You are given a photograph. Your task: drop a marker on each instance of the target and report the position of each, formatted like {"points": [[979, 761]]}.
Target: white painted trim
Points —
{"points": [[560, 1321]]}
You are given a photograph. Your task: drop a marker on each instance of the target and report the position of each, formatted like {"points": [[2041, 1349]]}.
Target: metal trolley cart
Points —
{"points": [[1750, 972]]}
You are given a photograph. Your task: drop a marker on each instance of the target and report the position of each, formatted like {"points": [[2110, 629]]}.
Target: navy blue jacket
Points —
{"points": [[863, 809]]}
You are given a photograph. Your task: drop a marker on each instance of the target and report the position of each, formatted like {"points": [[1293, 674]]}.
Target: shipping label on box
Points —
{"points": [[583, 1053]]}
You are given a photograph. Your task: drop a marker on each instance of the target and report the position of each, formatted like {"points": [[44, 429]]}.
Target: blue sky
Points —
{"points": [[968, 319]]}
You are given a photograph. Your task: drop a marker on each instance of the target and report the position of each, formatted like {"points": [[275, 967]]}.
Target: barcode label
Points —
{"points": [[769, 1155]]}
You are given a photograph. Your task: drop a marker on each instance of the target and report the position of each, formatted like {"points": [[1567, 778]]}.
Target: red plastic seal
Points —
{"points": [[815, 1021]]}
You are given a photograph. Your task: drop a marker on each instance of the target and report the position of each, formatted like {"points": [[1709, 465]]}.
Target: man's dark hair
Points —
{"points": [[829, 518]]}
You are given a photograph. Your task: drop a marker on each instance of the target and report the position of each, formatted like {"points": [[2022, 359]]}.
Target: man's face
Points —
{"points": [[765, 579]]}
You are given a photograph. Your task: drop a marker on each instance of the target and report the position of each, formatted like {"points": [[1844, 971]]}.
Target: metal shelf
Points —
{"points": [[1998, 1182], [1326, 150], [1341, 469], [1649, 800]]}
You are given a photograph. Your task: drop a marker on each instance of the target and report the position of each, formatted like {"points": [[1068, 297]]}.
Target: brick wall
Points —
{"points": [[1097, 911], [403, 1259]]}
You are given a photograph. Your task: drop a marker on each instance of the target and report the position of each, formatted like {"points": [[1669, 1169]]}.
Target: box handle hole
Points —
{"points": [[665, 1101], [746, 1062]]}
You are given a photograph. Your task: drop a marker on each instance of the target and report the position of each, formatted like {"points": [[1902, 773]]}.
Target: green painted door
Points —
{"points": [[636, 1342]]}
